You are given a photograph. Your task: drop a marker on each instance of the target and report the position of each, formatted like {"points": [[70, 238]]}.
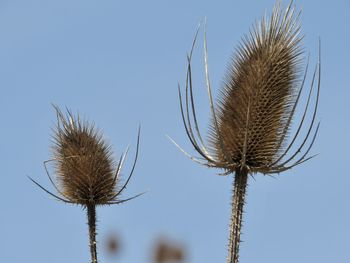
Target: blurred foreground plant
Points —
{"points": [[85, 171], [250, 128], [168, 251]]}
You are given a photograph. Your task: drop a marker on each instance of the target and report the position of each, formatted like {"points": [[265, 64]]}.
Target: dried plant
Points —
{"points": [[168, 251], [85, 170], [250, 128]]}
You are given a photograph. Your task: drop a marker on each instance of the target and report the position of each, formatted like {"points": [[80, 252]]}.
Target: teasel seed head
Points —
{"points": [[250, 128], [250, 125], [85, 171], [83, 162], [259, 92]]}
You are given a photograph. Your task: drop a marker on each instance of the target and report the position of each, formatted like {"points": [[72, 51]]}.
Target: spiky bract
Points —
{"points": [[259, 92], [83, 162]]}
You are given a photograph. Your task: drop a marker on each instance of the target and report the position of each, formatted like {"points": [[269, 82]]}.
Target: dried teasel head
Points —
{"points": [[257, 103], [85, 171], [250, 129]]}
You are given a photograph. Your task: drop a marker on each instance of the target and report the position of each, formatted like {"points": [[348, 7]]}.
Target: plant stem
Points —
{"points": [[239, 191], [91, 214]]}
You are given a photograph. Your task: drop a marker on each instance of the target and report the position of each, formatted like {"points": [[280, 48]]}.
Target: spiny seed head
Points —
{"points": [[259, 92], [257, 103], [83, 162]]}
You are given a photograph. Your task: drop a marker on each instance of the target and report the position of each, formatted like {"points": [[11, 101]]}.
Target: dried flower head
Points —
{"points": [[84, 167], [261, 92], [250, 127], [83, 163], [259, 97], [85, 170]]}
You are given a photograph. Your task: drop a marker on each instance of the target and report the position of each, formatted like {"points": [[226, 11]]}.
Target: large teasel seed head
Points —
{"points": [[259, 92], [250, 127]]}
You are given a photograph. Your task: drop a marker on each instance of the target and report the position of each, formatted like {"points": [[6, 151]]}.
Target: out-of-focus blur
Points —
{"points": [[166, 251], [112, 244]]}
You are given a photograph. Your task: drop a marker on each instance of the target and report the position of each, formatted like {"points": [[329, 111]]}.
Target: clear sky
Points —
{"points": [[118, 63]]}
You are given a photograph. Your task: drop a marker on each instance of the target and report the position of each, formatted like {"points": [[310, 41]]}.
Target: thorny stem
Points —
{"points": [[239, 191], [91, 214]]}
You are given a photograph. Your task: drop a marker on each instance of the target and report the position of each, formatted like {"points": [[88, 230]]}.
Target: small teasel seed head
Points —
{"points": [[259, 91], [83, 161]]}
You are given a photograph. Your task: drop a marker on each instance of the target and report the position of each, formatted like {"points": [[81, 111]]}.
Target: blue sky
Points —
{"points": [[118, 63]]}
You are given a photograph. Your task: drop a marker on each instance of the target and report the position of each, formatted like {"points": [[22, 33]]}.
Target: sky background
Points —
{"points": [[118, 63]]}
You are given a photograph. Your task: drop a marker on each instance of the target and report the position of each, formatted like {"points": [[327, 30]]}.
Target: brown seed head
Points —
{"points": [[83, 162], [85, 169], [259, 92]]}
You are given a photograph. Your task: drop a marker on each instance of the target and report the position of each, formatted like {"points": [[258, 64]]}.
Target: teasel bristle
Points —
{"points": [[85, 171], [250, 129]]}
